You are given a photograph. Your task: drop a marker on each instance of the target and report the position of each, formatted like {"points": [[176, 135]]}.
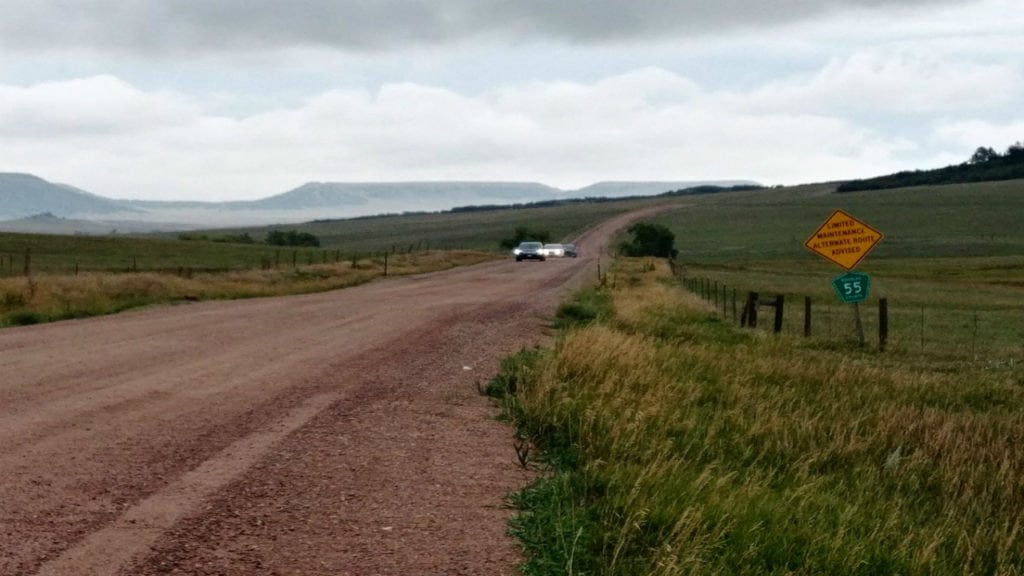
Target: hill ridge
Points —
{"points": [[24, 195]]}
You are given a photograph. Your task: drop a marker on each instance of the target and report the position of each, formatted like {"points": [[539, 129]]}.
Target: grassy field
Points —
{"points": [[50, 297], [75, 276], [951, 264], [340, 240], [475, 230], [53, 254], [957, 221], [677, 443]]}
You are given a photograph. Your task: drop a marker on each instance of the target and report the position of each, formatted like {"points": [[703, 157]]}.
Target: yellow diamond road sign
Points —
{"points": [[843, 240]]}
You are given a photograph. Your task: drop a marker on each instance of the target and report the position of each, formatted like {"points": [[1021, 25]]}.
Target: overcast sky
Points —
{"points": [[240, 99]]}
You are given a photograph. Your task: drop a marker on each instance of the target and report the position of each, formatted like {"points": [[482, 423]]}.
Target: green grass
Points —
{"points": [[968, 220], [951, 265], [53, 254], [677, 443], [586, 306], [340, 240]]}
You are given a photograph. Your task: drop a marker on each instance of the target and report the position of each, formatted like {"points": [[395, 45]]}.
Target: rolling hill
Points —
{"points": [[27, 195], [24, 197]]}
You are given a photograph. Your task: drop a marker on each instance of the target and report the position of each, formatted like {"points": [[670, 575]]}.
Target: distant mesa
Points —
{"points": [[26, 195], [32, 204]]}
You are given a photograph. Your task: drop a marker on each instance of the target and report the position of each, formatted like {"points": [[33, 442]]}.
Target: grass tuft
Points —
{"points": [[585, 307]]}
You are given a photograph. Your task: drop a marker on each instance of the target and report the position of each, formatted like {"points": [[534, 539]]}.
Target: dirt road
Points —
{"points": [[337, 433]]}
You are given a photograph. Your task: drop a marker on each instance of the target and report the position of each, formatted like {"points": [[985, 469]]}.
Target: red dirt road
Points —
{"points": [[337, 433]]}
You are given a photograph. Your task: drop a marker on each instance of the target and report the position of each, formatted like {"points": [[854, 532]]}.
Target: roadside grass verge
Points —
{"points": [[50, 297], [674, 443]]}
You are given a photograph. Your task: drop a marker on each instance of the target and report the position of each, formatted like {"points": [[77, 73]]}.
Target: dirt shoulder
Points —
{"points": [[336, 433]]}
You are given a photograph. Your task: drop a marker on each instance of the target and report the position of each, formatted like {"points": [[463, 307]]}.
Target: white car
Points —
{"points": [[553, 250]]}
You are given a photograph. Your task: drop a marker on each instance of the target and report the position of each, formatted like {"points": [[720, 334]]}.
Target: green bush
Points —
{"points": [[524, 234], [292, 238], [25, 318], [649, 239]]}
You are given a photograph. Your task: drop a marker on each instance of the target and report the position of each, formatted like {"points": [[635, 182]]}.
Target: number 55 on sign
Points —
{"points": [[852, 287]]}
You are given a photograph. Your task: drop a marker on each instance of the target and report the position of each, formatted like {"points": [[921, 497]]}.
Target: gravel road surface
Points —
{"points": [[337, 433]]}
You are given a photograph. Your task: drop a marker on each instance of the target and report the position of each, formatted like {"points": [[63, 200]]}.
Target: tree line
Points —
{"points": [[985, 165], [273, 238]]}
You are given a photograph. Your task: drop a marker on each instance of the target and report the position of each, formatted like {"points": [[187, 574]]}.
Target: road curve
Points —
{"points": [[336, 433]]}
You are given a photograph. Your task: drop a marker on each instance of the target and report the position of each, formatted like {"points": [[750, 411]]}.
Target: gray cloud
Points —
{"points": [[189, 26]]}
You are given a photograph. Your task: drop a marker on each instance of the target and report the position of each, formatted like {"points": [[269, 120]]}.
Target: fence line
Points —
{"points": [[961, 332], [28, 262]]}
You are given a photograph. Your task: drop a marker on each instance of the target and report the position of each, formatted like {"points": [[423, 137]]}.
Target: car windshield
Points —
{"points": [[556, 246], [530, 245]]}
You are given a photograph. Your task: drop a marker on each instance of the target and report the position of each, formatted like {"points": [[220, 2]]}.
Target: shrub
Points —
{"points": [[24, 318], [292, 238], [523, 234], [649, 239]]}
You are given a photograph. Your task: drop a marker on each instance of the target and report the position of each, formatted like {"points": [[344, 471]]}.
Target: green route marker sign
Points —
{"points": [[852, 287]]}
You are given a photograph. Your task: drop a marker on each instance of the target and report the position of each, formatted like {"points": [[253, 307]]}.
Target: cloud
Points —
{"points": [[189, 26], [647, 124], [896, 83], [86, 107], [970, 134]]}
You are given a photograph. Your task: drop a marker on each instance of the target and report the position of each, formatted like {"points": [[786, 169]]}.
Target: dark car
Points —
{"points": [[570, 250], [529, 251]]}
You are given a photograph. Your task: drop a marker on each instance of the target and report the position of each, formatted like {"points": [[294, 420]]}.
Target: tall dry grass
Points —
{"points": [[689, 447], [49, 297]]}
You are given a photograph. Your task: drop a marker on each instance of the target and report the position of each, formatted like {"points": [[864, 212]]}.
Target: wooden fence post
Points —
{"points": [[807, 316], [385, 263], [750, 311], [780, 302], [883, 323], [28, 262]]}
